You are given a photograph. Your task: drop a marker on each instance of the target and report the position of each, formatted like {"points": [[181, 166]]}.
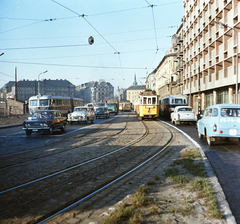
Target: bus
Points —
{"points": [[167, 104], [46, 102]]}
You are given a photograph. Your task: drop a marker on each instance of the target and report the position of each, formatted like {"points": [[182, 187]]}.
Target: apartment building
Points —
{"points": [[95, 91], [210, 73]]}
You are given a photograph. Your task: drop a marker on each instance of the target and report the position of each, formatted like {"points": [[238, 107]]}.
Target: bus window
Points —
{"points": [[149, 100], [33, 103], [144, 100], [43, 102], [172, 100]]}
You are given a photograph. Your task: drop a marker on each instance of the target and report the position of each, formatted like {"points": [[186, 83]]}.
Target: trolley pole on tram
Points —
{"points": [[39, 82]]}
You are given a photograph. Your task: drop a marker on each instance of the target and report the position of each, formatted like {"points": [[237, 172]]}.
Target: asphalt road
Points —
{"points": [[224, 157]]}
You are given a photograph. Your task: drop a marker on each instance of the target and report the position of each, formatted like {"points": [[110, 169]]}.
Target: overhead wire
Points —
{"points": [[65, 65]]}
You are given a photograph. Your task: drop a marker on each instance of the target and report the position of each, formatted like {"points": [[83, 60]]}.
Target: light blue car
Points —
{"points": [[220, 121]]}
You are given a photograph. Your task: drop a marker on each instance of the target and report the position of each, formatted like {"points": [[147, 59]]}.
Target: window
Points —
{"points": [[215, 112], [33, 103], [144, 100]]}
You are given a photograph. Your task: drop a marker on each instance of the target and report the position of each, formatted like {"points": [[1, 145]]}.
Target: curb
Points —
{"points": [[222, 201]]}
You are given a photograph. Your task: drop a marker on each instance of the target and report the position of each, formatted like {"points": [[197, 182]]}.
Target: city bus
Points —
{"points": [[167, 104], [46, 102]]}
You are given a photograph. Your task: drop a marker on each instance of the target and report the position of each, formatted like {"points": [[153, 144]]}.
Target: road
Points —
{"points": [[224, 156]]}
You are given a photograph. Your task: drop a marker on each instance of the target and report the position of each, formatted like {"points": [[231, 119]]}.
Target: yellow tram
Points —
{"points": [[147, 106], [125, 105]]}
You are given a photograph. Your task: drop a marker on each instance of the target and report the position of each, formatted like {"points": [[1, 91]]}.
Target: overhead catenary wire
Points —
{"points": [[65, 65]]}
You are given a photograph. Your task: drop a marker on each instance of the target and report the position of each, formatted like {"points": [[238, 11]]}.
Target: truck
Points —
{"points": [[112, 105]]}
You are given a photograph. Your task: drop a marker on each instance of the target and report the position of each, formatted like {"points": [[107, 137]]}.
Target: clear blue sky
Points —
{"points": [[40, 35]]}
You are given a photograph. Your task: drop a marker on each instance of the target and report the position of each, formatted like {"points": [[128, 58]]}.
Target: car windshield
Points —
{"points": [[185, 109], [230, 112], [101, 109], [43, 115], [80, 109]]}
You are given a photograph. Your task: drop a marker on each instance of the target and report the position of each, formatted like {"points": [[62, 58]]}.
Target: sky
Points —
{"points": [[130, 37]]}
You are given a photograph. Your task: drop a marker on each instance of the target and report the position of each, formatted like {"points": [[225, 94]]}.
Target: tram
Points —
{"points": [[167, 104], [125, 105], [147, 106], [46, 102]]}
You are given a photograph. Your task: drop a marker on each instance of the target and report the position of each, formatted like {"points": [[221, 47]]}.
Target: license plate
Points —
{"points": [[35, 130], [232, 131]]}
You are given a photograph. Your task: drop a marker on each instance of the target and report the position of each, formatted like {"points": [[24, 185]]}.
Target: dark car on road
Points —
{"points": [[45, 121], [102, 112]]}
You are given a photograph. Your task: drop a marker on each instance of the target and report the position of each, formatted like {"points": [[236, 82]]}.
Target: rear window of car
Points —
{"points": [[230, 112], [185, 109]]}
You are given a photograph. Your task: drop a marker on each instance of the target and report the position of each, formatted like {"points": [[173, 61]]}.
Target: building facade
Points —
{"points": [[95, 91], [133, 92], [210, 52], [24, 89]]}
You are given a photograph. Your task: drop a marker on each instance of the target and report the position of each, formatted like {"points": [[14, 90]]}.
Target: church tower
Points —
{"points": [[135, 81]]}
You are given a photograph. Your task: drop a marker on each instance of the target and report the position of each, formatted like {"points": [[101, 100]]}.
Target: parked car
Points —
{"points": [[183, 114], [102, 112], [220, 121], [81, 114], [45, 121]]}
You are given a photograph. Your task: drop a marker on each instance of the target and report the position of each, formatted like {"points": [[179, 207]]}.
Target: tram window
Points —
{"points": [[172, 100], [144, 100], [153, 100], [149, 100], [53, 102]]}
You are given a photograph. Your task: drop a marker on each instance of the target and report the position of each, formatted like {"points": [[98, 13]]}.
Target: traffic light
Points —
{"points": [[90, 40]]}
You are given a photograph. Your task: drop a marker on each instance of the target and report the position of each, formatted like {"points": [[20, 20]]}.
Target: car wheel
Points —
{"points": [[200, 135], [28, 132], [70, 122], [63, 128], [209, 141], [86, 121], [92, 120], [50, 131]]}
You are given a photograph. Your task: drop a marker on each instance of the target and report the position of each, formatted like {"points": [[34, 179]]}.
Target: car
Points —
{"points": [[81, 114], [102, 112], [183, 114], [220, 121], [45, 121]]}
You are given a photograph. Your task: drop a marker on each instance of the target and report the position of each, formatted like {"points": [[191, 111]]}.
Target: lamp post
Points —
{"points": [[39, 82], [225, 25]]}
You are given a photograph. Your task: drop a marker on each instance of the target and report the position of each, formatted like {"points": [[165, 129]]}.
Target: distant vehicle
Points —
{"points": [[112, 106], [183, 114], [125, 105], [99, 104], [81, 114], [45, 121], [220, 121], [167, 104], [45, 102], [147, 106], [102, 112]]}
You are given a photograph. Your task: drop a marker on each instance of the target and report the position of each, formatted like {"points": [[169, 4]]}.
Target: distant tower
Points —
{"points": [[135, 81]]}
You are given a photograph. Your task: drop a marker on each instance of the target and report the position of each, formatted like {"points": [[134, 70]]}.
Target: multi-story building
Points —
{"points": [[22, 90], [179, 60], [121, 94], [210, 70], [133, 92], [165, 73], [95, 91]]}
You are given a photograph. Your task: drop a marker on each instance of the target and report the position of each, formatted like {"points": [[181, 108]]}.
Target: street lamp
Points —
{"points": [[39, 82], [225, 25]]}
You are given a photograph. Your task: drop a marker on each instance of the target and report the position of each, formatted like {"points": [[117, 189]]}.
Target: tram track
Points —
{"points": [[92, 172], [81, 142], [111, 182]]}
